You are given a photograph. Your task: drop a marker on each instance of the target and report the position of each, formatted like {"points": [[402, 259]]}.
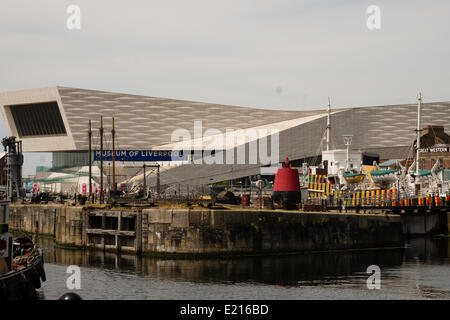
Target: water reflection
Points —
{"points": [[420, 270], [427, 249], [281, 270]]}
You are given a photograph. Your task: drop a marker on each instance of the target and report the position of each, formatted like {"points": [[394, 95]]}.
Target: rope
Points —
{"points": [[29, 259]]}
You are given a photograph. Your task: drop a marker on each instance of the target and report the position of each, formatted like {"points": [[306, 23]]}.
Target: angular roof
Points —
{"points": [[145, 122], [141, 122]]}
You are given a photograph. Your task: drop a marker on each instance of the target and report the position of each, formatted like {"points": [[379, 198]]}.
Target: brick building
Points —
{"points": [[434, 146]]}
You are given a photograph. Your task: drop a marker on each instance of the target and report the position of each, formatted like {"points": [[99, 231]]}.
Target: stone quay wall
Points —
{"points": [[197, 231]]}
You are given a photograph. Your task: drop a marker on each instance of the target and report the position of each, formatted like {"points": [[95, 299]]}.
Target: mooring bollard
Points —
{"points": [[70, 296]]}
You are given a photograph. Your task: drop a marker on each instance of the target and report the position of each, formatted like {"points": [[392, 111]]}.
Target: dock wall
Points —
{"points": [[226, 231], [65, 224], [422, 223], [185, 231]]}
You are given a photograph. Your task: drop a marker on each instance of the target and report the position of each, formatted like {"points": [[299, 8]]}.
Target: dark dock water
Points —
{"points": [[419, 271]]}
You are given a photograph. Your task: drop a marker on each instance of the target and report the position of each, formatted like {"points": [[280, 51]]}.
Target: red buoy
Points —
{"points": [[287, 186]]}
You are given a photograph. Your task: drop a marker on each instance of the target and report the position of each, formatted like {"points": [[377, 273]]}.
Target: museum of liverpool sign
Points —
{"points": [[141, 155]]}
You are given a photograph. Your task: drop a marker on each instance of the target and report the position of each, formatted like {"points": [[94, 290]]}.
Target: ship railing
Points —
{"points": [[401, 201]]}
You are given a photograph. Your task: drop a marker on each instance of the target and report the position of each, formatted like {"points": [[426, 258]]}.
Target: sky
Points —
{"points": [[279, 54]]}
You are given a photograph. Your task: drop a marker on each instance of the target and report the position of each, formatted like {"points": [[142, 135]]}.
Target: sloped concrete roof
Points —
{"points": [[146, 122]]}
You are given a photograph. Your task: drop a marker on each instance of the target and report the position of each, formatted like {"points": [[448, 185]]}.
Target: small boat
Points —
{"points": [[21, 263], [382, 177], [354, 177]]}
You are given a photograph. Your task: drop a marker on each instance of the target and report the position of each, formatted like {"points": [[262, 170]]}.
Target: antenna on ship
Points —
{"points": [[418, 131], [347, 142], [325, 135]]}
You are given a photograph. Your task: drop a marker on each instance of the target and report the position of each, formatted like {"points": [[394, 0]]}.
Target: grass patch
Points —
{"points": [[23, 233], [68, 246]]}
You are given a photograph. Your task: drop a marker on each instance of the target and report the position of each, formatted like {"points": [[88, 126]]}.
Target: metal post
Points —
{"points": [[54, 223], [145, 182], [158, 182], [348, 156], [90, 158], [101, 159], [347, 142], [260, 196], [113, 133], [19, 186], [249, 189]]}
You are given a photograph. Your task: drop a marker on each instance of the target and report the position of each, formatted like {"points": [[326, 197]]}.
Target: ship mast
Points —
{"points": [[101, 159], [90, 159], [419, 104], [113, 134], [328, 124]]}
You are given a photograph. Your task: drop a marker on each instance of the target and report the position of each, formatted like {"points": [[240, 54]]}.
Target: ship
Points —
{"points": [[353, 175], [21, 263]]}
